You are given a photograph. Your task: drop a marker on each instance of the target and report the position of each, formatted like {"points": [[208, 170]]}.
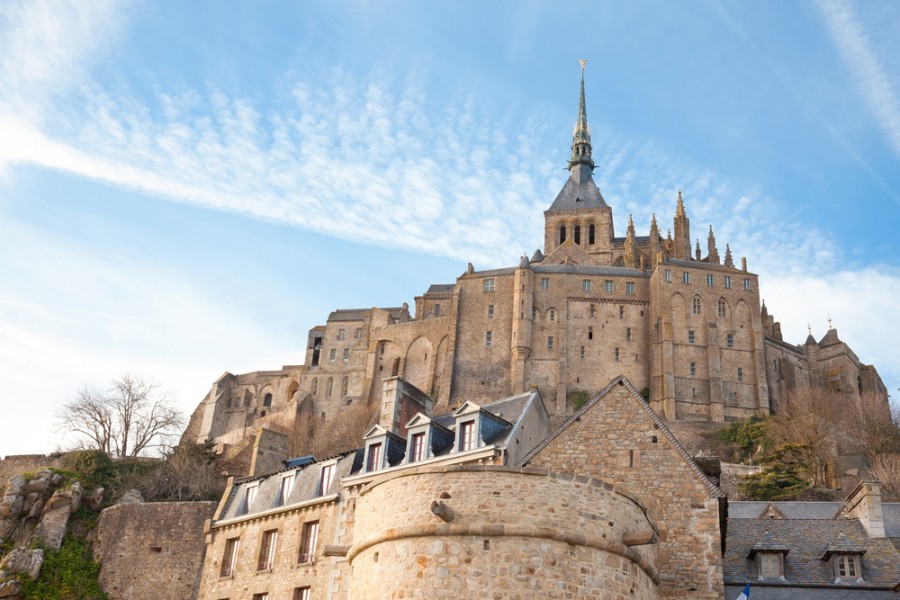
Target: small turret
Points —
{"points": [[654, 242], [729, 261], [697, 252], [630, 250], [682, 231], [713, 253]]}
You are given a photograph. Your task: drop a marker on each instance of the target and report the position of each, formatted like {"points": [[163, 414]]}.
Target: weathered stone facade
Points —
{"points": [[686, 326]]}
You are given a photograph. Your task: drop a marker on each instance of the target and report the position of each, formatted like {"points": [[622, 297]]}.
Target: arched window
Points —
{"points": [[552, 315], [437, 310], [696, 305], [345, 383], [562, 234], [578, 234], [591, 234], [315, 386], [722, 310], [267, 401], [329, 386]]}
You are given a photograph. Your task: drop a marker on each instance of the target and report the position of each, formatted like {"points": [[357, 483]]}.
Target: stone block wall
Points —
{"points": [[505, 533], [152, 551], [24, 463]]}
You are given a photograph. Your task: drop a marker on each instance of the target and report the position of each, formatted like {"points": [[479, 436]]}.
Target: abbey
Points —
{"points": [[685, 326]]}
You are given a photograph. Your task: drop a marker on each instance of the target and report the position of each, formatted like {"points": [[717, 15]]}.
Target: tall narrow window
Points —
{"points": [[591, 231], [345, 383], [728, 281], [552, 314], [466, 436], [593, 310], [629, 288], [617, 355], [685, 277], [308, 541], [590, 333], [729, 340], [710, 281], [740, 374], [346, 354], [490, 311], [488, 339], [609, 286], [562, 234], [229, 558], [690, 336], [341, 334], [325, 479], [628, 334], [437, 310], [545, 283], [489, 285], [696, 305], [302, 594], [267, 550], [721, 307], [374, 457], [693, 369], [577, 236], [747, 285], [668, 274], [417, 450], [284, 490], [621, 311], [549, 342], [267, 401], [581, 353], [332, 354], [586, 285], [329, 386]]}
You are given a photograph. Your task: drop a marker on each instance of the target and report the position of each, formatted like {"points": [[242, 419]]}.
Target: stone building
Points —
{"points": [[687, 328]]}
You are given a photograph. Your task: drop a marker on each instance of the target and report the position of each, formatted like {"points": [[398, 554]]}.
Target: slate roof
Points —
{"points": [[891, 513], [790, 510], [831, 338], [579, 192], [440, 288], [509, 409], [589, 270], [806, 540], [358, 314]]}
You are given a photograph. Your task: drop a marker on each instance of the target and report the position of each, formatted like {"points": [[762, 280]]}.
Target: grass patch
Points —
{"points": [[68, 574]]}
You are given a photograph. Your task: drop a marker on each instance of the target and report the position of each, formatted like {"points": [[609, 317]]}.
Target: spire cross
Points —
{"points": [[829, 320]]}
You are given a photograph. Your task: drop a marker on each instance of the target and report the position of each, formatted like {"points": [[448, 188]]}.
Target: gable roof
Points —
{"points": [[713, 489]]}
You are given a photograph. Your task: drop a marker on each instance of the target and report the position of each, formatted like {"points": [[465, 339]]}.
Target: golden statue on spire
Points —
{"points": [[582, 62]]}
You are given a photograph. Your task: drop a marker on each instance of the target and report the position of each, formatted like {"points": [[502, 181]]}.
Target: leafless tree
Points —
{"points": [[189, 473], [341, 433], [132, 418], [869, 425]]}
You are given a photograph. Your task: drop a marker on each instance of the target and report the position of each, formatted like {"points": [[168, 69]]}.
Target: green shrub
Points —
{"points": [[578, 398], [68, 574], [773, 483]]}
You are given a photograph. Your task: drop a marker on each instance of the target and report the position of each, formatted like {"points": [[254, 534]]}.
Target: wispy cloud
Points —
{"points": [[866, 68]]}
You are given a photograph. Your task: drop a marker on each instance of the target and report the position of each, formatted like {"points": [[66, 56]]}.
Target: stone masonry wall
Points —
{"points": [[152, 551], [24, 463], [511, 533], [616, 439]]}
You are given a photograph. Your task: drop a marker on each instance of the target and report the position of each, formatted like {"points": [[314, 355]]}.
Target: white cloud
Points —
{"points": [[866, 68]]}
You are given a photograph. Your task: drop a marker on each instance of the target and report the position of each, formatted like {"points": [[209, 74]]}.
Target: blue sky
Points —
{"points": [[187, 187]]}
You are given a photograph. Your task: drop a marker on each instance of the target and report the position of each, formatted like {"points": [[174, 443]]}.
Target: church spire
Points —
{"points": [[581, 136]]}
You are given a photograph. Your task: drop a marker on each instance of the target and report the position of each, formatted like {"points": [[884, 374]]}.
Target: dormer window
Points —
{"points": [[417, 448], [846, 566], [466, 435], [325, 479], [770, 564], [284, 490], [845, 556], [374, 460], [249, 497]]}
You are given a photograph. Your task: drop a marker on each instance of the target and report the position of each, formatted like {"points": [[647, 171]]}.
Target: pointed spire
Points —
{"points": [[697, 251], [581, 136], [630, 249], [679, 211], [654, 242], [729, 261], [712, 251], [654, 228], [630, 225]]}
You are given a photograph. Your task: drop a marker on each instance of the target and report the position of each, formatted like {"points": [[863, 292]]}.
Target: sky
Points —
{"points": [[186, 188]]}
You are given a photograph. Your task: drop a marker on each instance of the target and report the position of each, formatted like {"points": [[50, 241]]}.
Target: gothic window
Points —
{"points": [[562, 234], [591, 234], [722, 309], [489, 285], [696, 305], [577, 236], [267, 400]]}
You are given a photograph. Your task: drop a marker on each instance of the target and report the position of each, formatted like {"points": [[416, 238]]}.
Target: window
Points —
{"points": [[490, 311], [345, 383], [466, 436], [696, 305], [668, 274], [552, 314], [229, 559], [332, 354], [417, 450], [629, 287], [593, 311], [549, 342], [747, 285], [769, 564], [487, 339], [267, 550], [722, 309], [301, 594], [591, 230], [581, 353], [315, 386], [374, 462], [628, 334], [562, 234], [489, 285], [284, 491], [545, 283], [621, 312], [357, 334], [249, 497], [329, 386], [690, 336], [263, 596], [590, 333], [577, 236], [609, 286], [729, 340], [617, 355], [308, 541], [325, 479], [710, 280], [346, 354], [586, 286], [685, 277], [693, 369], [341, 334], [728, 281], [846, 565], [437, 310], [267, 401], [740, 374]]}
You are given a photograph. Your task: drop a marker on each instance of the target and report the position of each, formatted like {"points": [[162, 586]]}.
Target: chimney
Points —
{"points": [[400, 401], [864, 504]]}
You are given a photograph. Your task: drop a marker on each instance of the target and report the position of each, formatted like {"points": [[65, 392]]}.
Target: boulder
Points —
{"points": [[23, 560], [131, 497], [9, 588]]}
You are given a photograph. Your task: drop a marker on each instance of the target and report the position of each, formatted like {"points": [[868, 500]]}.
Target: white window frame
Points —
{"points": [[728, 282], [489, 285], [545, 283], [267, 550], [710, 280], [326, 477], [629, 288], [586, 286], [229, 557], [468, 438], [609, 286], [309, 534]]}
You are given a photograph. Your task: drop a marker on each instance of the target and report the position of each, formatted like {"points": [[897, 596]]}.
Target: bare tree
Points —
{"points": [[341, 433], [130, 419], [869, 425]]}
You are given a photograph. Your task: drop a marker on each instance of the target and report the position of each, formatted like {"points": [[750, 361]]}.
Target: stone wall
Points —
{"points": [[616, 437], [152, 551], [24, 463], [505, 533]]}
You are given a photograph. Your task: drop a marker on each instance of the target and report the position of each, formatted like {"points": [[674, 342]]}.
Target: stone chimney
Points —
{"points": [[864, 504], [270, 450], [400, 401]]}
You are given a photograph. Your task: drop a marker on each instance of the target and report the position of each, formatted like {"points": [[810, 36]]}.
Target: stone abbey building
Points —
{"points": [[686, 327]]}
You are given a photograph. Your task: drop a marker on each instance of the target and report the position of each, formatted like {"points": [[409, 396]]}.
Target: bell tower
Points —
{"points": [[580, 215]]}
